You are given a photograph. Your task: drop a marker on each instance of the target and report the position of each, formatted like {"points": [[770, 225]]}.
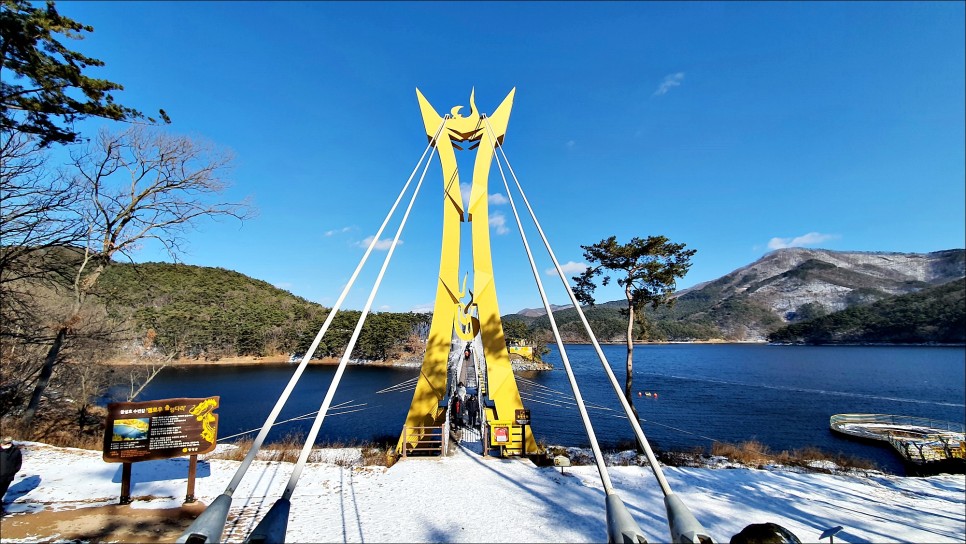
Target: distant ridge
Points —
{"points": [[536, 312], [784, 286]]}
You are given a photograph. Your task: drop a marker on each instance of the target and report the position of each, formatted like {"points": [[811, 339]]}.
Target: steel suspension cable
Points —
{"points": [[283, 398], [211, 523], [317, 424], [598, 456], [684, 527], [651, 458], [289, 420]]}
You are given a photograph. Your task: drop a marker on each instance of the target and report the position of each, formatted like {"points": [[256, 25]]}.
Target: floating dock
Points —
{"points": [[924, 443]]}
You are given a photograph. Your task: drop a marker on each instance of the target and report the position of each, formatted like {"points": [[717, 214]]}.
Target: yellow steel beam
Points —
{"points": [[431, 386], [459, 133]]}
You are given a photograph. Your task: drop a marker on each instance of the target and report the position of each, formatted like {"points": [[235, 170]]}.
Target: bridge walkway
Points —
{"points": [[918, 440]]}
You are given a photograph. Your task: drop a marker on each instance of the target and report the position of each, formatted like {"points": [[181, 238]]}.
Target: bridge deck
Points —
{"points": [[917, 440]]}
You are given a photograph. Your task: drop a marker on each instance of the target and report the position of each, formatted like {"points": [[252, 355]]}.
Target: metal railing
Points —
{"points": [[430, 440], [918, 440], [838, 420]]}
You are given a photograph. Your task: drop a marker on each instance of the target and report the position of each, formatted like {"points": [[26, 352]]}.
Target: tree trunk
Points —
{"points": [[45, 372], [629, 383], [155, 370], [81, 419], [82, 286]]}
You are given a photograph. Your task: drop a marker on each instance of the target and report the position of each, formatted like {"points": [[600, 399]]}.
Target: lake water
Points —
{"points": [[781, 396]]}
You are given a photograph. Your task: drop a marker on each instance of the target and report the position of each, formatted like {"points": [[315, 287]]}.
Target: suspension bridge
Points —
{"points": [[466, 362]]}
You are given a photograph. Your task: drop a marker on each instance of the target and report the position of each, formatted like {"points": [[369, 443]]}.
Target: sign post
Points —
{"points": [[159, 429], [125, 484], [192, 471]]}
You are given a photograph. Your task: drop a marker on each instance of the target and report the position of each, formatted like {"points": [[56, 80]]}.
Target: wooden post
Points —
{"points": [[405, 440], [125, 483], [192, 471]]}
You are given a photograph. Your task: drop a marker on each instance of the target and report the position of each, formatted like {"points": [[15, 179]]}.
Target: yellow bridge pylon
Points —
{"points": [[451, 313]]}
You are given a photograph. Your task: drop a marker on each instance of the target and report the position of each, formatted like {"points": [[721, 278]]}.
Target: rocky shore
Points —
{"points": [[517, 363]]}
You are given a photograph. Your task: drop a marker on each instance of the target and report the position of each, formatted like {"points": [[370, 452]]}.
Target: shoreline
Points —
{"points": [[284, 360], [417, 362]]}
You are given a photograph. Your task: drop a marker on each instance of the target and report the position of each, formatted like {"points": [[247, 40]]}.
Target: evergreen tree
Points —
{"points": [[44, 89], [648, 272]]}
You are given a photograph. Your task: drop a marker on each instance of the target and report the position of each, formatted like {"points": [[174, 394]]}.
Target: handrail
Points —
{"points": [[888, 419], [918, 440], [426, 435]]}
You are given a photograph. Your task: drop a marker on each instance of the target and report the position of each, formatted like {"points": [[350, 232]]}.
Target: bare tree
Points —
{"points": [[38, 224], [137, 185], [148, 364], [39, 210]]}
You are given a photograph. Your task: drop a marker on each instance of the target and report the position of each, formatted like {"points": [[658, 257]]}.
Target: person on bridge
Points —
{"points": [[473, 410], [466, 354], [456, 404]]}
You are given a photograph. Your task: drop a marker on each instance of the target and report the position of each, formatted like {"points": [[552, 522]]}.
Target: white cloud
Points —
{"points": [[571, 268], [385, 308], [495, 198], [809, 239], [571, 144], [465, 189], [670, 81], [337, 231], [284, 285], [498, 223], [498, 199], [381, 245], [423, 308]]}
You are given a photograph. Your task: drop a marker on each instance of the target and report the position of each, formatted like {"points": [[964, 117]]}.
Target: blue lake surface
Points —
{"points": [[781, 396]]}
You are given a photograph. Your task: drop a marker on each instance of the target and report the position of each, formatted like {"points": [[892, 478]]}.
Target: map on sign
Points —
{"points": [[160, 429]]}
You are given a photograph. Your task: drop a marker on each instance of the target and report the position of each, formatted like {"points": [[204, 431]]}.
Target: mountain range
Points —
{"points": [[783, 287]]}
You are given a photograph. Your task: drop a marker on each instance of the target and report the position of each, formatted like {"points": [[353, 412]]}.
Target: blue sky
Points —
{"points": [[734, 128]]}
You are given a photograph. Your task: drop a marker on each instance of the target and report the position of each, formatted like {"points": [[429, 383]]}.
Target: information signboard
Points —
{"points": [[522, 417], [160, 429]]}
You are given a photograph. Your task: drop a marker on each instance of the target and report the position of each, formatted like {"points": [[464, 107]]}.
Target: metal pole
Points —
{"points": [[125, 483], [192, 471]]}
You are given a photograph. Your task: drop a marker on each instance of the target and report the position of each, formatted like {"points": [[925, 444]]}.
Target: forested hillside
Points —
{"points": [[201, 312], [934, 315]]}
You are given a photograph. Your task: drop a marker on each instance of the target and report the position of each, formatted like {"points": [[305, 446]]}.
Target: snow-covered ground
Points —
{"points": [[467, 498]]}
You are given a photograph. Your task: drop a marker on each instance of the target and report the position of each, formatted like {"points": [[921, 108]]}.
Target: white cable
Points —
{"points": [[598, 456], [296, 418], [652, 459], [283, 398], [317, 424]]}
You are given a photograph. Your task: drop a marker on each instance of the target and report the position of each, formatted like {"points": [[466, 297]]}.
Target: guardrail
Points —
{"points": [[838, 420], [919, 440], [428, 440]]}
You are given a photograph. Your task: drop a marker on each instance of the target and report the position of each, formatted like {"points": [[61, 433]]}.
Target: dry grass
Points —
{"points": [[751, 452], [288, 449], [756, 454], [66, 428]]}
